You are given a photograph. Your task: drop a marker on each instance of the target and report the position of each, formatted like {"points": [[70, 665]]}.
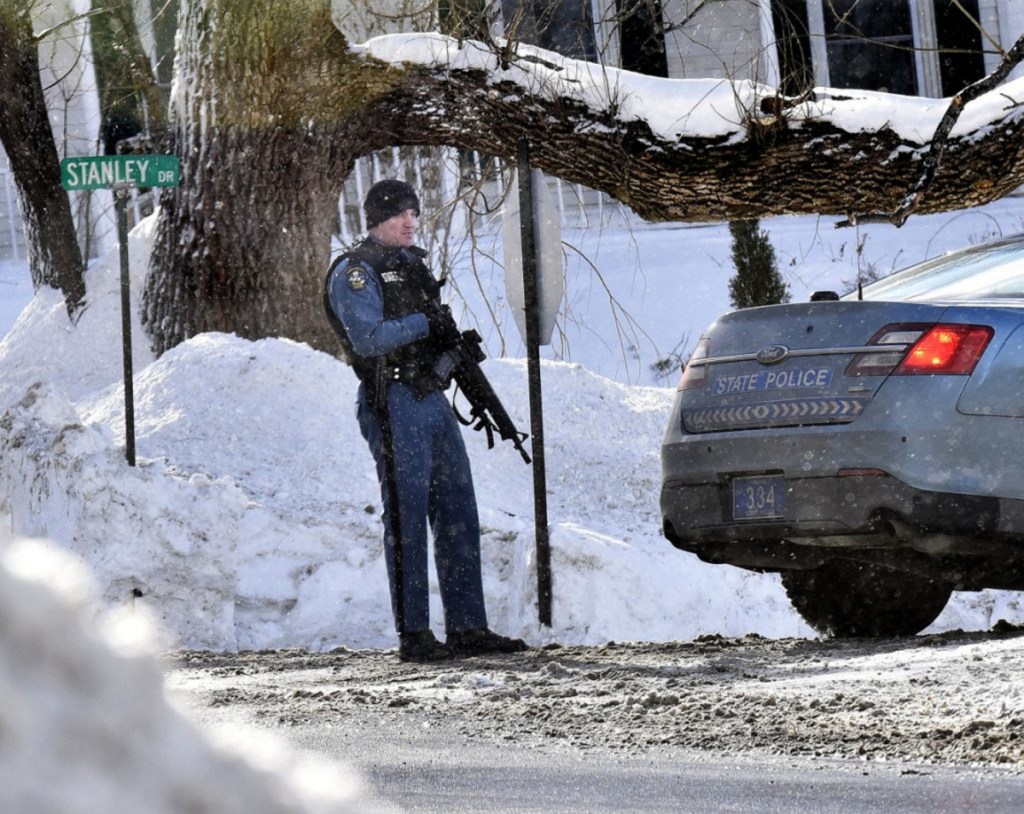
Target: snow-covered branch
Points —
{"points": [[678, 149], [941, 138]]}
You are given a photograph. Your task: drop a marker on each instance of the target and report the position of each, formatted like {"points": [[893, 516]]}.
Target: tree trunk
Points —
{"points": [[54, 256], [244, 248], [243, 245], [275, 107]]}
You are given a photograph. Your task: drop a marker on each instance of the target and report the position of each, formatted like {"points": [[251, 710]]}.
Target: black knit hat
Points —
{"points": [[387, 199]]}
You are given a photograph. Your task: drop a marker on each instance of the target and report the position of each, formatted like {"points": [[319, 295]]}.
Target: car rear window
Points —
{"points": [[983, 273]]}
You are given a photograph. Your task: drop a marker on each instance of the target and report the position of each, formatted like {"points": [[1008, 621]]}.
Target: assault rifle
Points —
{"points": [[460, 361]]}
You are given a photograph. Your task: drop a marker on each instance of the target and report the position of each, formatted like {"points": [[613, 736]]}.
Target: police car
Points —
{"points": [[868, 448]]}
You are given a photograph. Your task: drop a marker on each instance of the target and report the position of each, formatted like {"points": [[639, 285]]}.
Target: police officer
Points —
{"points": [[374, 297]]}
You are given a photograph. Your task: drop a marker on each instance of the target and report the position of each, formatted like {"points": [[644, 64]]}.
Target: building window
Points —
{"points": [[641, 36], [870, 45], [563, 26], [932, 47], [961, 60], [793, 46]]}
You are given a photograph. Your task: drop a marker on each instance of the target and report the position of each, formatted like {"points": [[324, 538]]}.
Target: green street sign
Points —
{"points": [[107, 171]]}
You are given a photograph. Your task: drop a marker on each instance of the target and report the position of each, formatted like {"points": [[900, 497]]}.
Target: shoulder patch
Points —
{"points": [[356, 277]]}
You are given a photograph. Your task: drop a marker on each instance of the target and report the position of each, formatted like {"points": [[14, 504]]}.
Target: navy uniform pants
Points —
{"points": [[435, 485]]}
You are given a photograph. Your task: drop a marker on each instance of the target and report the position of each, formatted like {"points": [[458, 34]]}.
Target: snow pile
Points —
{"points": [[86, 356], [252, 519], [85, 726], [136, 528], [672, 108]]}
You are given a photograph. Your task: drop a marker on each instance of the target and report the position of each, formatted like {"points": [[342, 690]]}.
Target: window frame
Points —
{"points": [[927, 79]]}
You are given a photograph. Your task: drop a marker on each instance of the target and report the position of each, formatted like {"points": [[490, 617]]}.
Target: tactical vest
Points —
{"points": [[405, 280]]}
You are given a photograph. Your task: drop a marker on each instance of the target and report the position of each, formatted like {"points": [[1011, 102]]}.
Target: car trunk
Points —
{"points": [[790, 365]]}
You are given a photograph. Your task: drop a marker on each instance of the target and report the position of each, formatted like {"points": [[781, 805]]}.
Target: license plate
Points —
{"points": [[757, 498]]}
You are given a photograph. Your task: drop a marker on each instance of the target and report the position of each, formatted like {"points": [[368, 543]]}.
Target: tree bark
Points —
{"points": [[54, 256], [779, 168], [276, 107], [242, 246]]}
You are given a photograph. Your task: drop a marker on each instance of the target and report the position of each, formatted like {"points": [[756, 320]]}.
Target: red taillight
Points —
{"points": [[922, 348], [884, 362], [947, 349], [695, 375]]}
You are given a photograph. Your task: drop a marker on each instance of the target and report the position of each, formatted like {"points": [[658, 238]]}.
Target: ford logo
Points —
{"points": [[772, 354]]}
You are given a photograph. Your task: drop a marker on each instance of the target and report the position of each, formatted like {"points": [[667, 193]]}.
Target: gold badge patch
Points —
{"points": [[356, 278]]}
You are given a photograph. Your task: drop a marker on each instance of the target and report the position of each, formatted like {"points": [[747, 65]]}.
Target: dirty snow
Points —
{"points": [[948, 699]]}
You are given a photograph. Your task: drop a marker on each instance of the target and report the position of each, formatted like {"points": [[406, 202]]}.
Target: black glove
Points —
{"points": [[443, 329]]}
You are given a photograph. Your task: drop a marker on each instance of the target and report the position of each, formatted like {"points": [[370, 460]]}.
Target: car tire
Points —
{"points": [[847, 599]]}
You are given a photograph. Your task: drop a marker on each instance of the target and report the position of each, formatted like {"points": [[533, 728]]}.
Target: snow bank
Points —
{"points": [[252, 519], [85, 726]]}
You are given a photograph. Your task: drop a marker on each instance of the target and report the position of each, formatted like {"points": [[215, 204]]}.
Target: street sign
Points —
{"points": [[120, 173], [109, 171], [547, 230]]}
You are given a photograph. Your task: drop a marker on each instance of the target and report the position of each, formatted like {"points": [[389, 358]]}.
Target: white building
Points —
{"points": [[904, 46]]}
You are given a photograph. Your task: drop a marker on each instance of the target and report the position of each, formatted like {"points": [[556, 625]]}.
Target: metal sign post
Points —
{"points": [[121, 205], [120, 173], [541, 262]]}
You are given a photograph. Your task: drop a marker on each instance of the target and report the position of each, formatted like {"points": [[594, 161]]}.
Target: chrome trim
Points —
{"points": [[859, 349]]}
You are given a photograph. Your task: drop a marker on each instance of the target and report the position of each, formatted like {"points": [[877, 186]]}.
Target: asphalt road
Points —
{"points": [[926, 724], [431, 771]]}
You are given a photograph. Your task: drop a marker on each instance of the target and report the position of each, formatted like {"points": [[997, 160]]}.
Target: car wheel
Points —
{"points": [[844, 598]]}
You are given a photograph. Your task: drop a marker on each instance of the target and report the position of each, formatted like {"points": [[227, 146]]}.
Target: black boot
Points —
{"points": [[422, 645], [481, 640]]}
